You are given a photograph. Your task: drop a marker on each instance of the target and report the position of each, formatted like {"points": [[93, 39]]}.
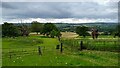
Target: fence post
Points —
{"points": [[61, 50], [57, 47], [39, 50], [81, 45]]}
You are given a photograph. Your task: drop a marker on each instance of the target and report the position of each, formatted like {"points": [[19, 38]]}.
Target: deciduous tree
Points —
{"points": [[9, 30], [82, 31], [36, 27]]}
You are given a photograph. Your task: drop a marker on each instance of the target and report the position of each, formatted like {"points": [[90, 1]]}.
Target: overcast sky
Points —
{"points": [[66, 12]]}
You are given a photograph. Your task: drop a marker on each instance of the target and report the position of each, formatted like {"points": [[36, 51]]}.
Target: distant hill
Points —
{"points": [[101, 26]]}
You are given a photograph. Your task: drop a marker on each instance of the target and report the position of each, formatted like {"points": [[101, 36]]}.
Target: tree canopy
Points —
{"points": [[24, 30], [82, 31], [9, 30], [51, 29], [48, 27], [36, 27]]}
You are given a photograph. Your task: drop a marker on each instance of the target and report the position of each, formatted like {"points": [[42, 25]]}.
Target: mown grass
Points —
{"points": [[20, 42], [84, 58], [50, 55]]}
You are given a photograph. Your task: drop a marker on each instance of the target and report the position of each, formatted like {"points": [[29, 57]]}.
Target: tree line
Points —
{"points": [[83, 31], [48, 29]]}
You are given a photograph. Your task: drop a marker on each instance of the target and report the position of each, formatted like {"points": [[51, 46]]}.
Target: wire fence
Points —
{"points": [[11, 53], [71, 45], [100, 45]]}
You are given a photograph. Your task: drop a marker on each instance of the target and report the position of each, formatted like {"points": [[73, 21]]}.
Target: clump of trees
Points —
{"points": [[82, 31], [36, 27], [10, 30], [24, 30], [48, 29], [51, 30]]}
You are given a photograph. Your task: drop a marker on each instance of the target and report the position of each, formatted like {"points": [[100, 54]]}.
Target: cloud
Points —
{"points": [[59, 10], [99, 1], [66, 20]]}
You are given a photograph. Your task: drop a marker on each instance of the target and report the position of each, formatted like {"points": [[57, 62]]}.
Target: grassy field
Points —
{"points": [[97, 44], [23, 51]]}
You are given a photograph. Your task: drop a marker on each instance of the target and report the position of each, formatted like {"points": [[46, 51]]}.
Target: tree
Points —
{"points": [[9, 30], [48, 27], [58, 34], [36, 27], [82, 31], [55, 33], [24, 30], [51, 30]]}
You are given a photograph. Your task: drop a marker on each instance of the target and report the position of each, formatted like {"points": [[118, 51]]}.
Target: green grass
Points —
{"points": [[96, 44], [84, 58], [20, 42], [100, 36], [51, 56]]}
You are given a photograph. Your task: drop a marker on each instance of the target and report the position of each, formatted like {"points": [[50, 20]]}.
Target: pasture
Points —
{"points": [[23, 51]]}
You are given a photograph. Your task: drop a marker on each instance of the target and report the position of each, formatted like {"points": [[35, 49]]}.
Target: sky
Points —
{"points": [[59, 12]]}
